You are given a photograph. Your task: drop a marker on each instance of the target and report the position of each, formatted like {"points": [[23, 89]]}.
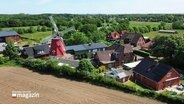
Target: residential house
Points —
{"points": [[155, 75], [115, 55], [105, 58], [135, 39], [123, 53], [113, 36], [85, 50], [36, 51], [6, 36]]}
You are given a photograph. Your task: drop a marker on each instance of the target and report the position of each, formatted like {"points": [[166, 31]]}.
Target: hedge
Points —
{"points": [[3, 60], [141, 53], [51, 67]]}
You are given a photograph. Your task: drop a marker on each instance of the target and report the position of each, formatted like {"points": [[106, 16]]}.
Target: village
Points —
{"points": [[125, 60]]}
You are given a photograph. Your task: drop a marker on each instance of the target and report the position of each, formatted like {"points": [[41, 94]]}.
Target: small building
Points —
{"points": [[36, 51], [167, 31], [85, 50], [119, 74], [6, 36], [155, 75]]}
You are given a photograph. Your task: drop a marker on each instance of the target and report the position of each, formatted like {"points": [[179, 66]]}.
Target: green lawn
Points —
{"points": [[132, 84], [155, 33], [152, 24], [182, 81], [31, 38]]}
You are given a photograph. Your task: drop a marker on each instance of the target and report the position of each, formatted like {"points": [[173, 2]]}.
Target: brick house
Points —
{"points": [[155, 75], [115, 55], [6, 36], [137, 40]]}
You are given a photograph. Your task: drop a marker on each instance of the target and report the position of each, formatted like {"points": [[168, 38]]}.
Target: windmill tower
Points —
{"points": [[57, 44]]}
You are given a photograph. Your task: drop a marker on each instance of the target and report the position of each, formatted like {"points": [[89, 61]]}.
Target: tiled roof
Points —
{"points": [[104, 55], [8, 33], [152, 69], [133, 37]]}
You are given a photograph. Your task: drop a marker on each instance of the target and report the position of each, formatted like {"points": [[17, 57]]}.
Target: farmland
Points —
{"points": [[53, 90], [152, 24], [156, 33]]}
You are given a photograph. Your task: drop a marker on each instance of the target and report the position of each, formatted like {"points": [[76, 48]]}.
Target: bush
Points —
{"points": [[101, 69], [3, 60]]}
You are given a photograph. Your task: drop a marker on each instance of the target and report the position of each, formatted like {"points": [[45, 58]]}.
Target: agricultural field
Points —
{"points": [[156, 33], [54, 90], [11, 28], [31, 38], [152, 24]]}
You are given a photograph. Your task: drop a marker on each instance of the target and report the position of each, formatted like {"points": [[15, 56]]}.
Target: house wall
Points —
{"points": [[140, 42], [145, 81], [128, 57], [15, 37], [161, 84], [171, 74]]}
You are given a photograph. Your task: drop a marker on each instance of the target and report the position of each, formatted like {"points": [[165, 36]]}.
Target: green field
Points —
{"points": [[31, 38], [156, 33], [11, 28], [152, 24]]}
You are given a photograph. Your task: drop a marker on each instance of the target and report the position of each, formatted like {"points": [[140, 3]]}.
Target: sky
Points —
{"points": [[91, 6]]}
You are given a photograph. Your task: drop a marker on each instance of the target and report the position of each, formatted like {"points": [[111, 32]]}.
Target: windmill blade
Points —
{"points": [[47, 39], [67, 30]]}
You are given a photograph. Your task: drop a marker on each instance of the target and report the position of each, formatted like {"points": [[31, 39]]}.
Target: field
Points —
{"points": [[31, 38], [37, 36], [54, 90], [152, 24], [11, 28], [155, 33]]}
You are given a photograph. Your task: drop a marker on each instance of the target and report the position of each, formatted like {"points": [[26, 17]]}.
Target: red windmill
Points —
{"points": [[57, 43]]}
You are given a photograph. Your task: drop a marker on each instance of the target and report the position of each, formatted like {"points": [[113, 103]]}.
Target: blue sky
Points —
{"points": [[91, 6]]}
